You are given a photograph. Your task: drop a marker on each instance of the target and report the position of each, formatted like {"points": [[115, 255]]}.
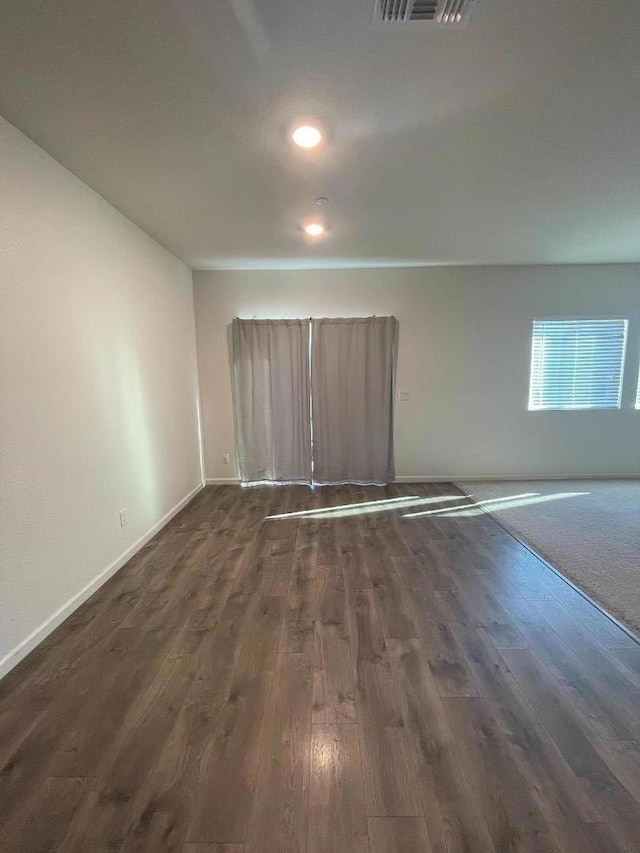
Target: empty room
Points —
{"points": [[319, 426]]}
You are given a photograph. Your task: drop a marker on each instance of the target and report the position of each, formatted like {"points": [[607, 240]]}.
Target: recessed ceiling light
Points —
{"points": [[306, 136], [313, 229]]}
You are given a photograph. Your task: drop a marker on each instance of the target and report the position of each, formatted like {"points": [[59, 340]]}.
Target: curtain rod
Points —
{"points": [[300, 319]]}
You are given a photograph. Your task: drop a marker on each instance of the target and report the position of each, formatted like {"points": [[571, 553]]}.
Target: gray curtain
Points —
{"points": [[352, 380], [270, 369]]}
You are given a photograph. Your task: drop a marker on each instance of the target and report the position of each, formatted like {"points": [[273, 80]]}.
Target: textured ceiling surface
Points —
{"points": [[514, 139]]}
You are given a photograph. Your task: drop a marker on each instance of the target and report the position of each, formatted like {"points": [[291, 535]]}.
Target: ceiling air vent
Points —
{"points": [[441, 12]]}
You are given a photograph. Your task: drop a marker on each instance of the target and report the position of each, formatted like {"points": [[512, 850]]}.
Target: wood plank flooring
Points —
{"points": [[334, 671]]}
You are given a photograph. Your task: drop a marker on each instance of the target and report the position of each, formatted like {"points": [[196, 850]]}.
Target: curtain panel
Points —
{"points": [[270, 377], [352, 380]]}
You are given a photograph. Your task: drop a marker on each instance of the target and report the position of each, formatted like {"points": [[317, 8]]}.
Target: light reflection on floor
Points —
{"points": [[467, 507], [385, 505], [477, 507]]}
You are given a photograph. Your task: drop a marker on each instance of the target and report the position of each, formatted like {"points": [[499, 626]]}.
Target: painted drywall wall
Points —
{"points": [[98, 390], [464, 358]]}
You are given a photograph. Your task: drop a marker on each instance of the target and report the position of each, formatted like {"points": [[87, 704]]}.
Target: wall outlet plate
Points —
{"points": [[226, 459], [404, 396], [123, 518]]}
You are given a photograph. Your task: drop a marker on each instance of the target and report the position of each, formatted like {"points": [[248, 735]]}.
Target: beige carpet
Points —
{"points": [[592, 538]]}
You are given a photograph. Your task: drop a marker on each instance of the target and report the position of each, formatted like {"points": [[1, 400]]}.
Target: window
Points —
{"points": [[577, 364]]}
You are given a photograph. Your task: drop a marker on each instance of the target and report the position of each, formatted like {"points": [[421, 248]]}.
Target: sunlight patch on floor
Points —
{"points": [[386, 505], [476, 508]]}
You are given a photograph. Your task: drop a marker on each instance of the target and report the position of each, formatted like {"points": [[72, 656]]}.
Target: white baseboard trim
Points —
{"points": [[29, 643], [470, 478]]}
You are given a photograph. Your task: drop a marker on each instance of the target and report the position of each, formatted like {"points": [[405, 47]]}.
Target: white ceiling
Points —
{"points": [[512, 140]]}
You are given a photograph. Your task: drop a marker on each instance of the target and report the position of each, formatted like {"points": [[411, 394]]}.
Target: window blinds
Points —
{"points": [[577, 364]]}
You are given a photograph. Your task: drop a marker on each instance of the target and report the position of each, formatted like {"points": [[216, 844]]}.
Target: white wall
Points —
{"points": [[464, 357], [98, 390]]}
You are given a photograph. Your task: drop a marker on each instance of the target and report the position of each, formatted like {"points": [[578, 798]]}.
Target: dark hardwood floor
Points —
{"points": [[400, 676]]}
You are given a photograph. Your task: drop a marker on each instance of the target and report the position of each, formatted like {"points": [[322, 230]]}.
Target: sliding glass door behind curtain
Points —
{"points": [[272, 399], [313, 400]]}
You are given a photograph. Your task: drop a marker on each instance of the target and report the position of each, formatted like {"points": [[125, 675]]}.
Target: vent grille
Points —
{"points": [[441, 12]]}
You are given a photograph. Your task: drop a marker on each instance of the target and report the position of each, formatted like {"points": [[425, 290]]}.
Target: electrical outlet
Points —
{"points": [[404, 396], [226, 459], [123, 518]]}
